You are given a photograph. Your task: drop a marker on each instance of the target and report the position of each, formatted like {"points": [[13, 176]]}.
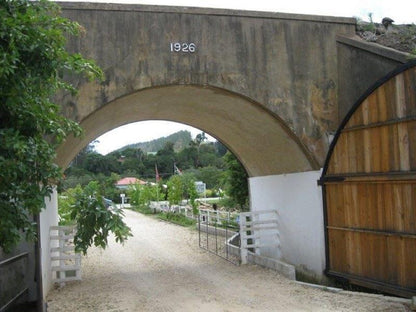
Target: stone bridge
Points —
{"points": [[272, 87], [239, 76]]}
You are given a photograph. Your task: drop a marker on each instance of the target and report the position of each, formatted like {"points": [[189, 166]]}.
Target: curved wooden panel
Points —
{"points": [[369, 187]]}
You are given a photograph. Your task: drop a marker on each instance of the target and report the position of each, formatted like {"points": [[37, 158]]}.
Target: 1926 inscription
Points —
{"points": [[186, 47]]}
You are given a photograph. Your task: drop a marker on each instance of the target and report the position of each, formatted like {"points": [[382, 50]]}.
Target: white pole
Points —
{"points": [[122, 200], [243, 240]]}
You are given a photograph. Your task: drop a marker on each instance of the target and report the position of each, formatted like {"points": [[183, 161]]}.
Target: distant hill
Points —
{"points": [[179, 139]]}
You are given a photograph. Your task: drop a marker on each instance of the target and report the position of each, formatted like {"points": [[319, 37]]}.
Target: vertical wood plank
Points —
{"points": [[395, 156], [411, 126], [382, 105], [384, 150], [400, 97], [403, 141]]}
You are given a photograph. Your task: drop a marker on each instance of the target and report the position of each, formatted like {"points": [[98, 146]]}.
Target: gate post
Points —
{"points": [[243, 240]]}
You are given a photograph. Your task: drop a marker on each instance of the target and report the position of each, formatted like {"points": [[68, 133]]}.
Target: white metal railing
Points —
{"points": [[258, 229], [65, 262]]}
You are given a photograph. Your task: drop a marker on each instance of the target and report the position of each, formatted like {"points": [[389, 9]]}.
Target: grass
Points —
{"points": [[175, 218], [143, 210]]}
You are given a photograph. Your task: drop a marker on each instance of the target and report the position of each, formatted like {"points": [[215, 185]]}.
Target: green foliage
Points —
{"points": [[107, 184], [214, 172], [228, 203], [237, 181], [182, 187], [203, 160], [370, 26], [211, 193], [230, 224], [175, 189], [188, 186], [212, 176], [94, 220], [66, 202], [71, 181], [141, 195], [191, 193], [33, 62], [146, 210], [176, 218]]}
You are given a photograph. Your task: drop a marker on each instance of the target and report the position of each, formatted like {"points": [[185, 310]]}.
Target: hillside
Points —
{"points": [[180, 140], [399, 37]]}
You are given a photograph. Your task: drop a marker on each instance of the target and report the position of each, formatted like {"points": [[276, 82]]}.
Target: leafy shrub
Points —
{"points": [[33, 65], [93, 218]]}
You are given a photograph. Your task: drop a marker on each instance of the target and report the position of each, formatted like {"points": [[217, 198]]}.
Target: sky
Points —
{"points": [[401, 11], [143, 131]]}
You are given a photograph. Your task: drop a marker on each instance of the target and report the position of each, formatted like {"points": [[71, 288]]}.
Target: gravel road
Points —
{"points": [[162, 268]]}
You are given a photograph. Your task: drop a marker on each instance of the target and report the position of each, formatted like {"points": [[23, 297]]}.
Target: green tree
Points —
{"points": [[175, 189], [220, 148], [192, 195], [188, 186], [66, 202], [188, 157], [211, 176], [182, 187], [141, 195], [109, 189], [236, 181], [165, 159], [33, 64], [82, 154]]}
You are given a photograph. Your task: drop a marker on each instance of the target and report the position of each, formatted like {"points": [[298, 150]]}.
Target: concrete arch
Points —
{"points": [[236, 121]]}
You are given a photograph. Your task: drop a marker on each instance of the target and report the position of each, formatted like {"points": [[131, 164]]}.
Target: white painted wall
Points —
{"points": [[298, 199], [48, 217]]}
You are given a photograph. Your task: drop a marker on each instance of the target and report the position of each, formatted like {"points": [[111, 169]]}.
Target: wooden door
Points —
{"points": [[369, 189]]}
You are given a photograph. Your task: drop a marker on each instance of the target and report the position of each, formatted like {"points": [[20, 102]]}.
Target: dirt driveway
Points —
{"points": [[162, 268]]}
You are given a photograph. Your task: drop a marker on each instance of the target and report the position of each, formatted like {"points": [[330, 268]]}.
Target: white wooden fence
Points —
{"points": [[211, 216], [186, 211], [65, 263], [258, 229]]}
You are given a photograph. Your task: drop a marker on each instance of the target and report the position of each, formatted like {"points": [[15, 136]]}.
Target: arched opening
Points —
{"points": [[264, 145], [282, 173]]}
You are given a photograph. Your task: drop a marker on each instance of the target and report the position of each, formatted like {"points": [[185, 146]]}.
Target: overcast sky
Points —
{"points": [[401, 11]]}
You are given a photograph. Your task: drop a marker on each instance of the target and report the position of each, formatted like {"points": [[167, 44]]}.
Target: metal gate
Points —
{"points": [[219, 235], [13, 283], [369, 189]]}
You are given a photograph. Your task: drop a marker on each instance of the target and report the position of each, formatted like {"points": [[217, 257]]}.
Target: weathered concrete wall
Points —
{"points": [[298, 200], [286, 63], [360, 65]]}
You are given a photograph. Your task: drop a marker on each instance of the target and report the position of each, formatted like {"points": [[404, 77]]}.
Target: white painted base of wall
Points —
{"points": [[48, 217], [298, 200]]}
